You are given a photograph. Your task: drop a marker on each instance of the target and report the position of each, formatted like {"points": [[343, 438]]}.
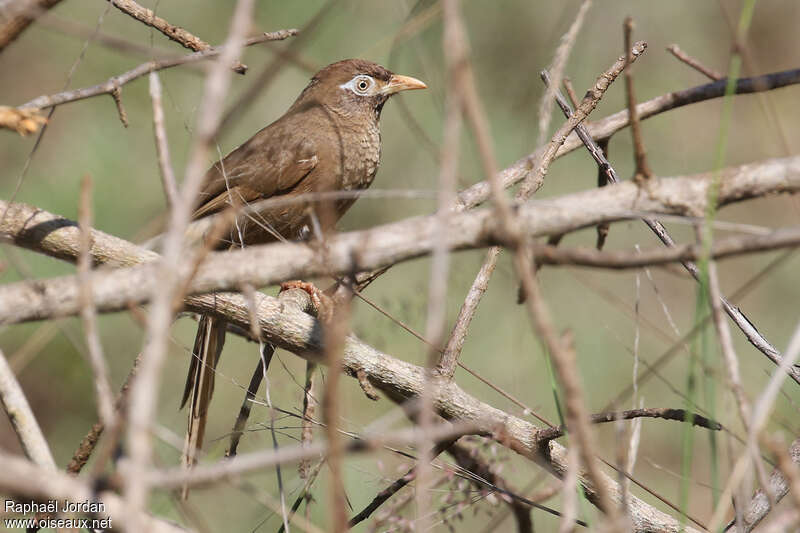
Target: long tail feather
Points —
{"points": [[200, 385]]}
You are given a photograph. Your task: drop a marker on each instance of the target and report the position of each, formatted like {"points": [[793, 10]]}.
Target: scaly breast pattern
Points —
{"points": [[362, 156]]}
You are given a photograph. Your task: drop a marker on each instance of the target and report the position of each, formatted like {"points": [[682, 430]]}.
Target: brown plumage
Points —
{"points": [[328, 140]]}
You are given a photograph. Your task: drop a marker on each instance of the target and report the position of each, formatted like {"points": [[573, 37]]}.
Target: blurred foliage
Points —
{"points": [[511, 40]]}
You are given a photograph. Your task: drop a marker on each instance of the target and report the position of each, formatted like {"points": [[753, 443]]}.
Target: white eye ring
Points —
{"points": [[361, 85]]}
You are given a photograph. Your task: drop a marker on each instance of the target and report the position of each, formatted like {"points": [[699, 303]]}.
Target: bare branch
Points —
{"points": [[87, 445], [22, 418], [97, 360], [675, 50], [19, 15], [297, 332], [662, 412], [368, 249], [175, 33], [23, 479], [606, 127], [622, 259], [162, 146], [589, 102], [108, 86], [642, 171]]}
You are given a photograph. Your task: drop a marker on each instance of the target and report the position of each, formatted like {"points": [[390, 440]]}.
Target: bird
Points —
{"points": [[328, 141]]}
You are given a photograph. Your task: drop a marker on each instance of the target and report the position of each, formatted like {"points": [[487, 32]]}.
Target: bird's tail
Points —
{"points": [[200, 385]]}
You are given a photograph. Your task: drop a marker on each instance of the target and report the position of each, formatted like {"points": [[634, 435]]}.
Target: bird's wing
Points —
{"points": [[238, 194], [266, 165]]}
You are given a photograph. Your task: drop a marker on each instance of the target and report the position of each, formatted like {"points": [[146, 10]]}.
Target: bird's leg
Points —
{"points": [[322, 303]]}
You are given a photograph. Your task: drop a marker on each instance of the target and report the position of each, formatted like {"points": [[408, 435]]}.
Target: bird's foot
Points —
{"points": [[321, 303]]}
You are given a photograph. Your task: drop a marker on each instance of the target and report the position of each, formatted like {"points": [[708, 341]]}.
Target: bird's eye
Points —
{"points": [[362, 84]]}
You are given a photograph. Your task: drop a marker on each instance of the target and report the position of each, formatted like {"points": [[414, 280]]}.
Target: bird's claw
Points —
{"points": [[321, 303]]}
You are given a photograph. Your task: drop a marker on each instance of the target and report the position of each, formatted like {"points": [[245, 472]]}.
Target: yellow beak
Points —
{"points": [[399, 83]]}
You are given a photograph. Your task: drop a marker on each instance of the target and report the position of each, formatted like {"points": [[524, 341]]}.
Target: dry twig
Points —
{"points": [[97, 361], [643, 171], [108, 86], [632, 414], [19, 15], [675, 50], [175, 33], [162, 146], [19, 412]]}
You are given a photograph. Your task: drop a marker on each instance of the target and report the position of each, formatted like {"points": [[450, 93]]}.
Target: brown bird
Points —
{"points": [[329, 140]]}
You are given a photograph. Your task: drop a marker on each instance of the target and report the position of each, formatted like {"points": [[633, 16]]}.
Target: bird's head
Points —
{"points": [[356, 86]]}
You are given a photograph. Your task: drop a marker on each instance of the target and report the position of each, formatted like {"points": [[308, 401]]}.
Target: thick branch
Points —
{"points": [[299, 333], [377, 247]]}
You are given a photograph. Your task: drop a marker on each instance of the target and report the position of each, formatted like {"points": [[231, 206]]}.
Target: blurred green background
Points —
{"points": [[511, 40]]}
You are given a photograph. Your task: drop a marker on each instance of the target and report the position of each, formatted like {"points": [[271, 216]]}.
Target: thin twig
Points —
{"points": [[694, 63], [573, 97], [87, 445], [97, 361], [624, 259], [726, 341], [662, 412], [108, 86], [305, 494], [458, 336], [557, 69], [19, 412], [162, 145], [175, 33], [588, 104], [642, 171]]}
